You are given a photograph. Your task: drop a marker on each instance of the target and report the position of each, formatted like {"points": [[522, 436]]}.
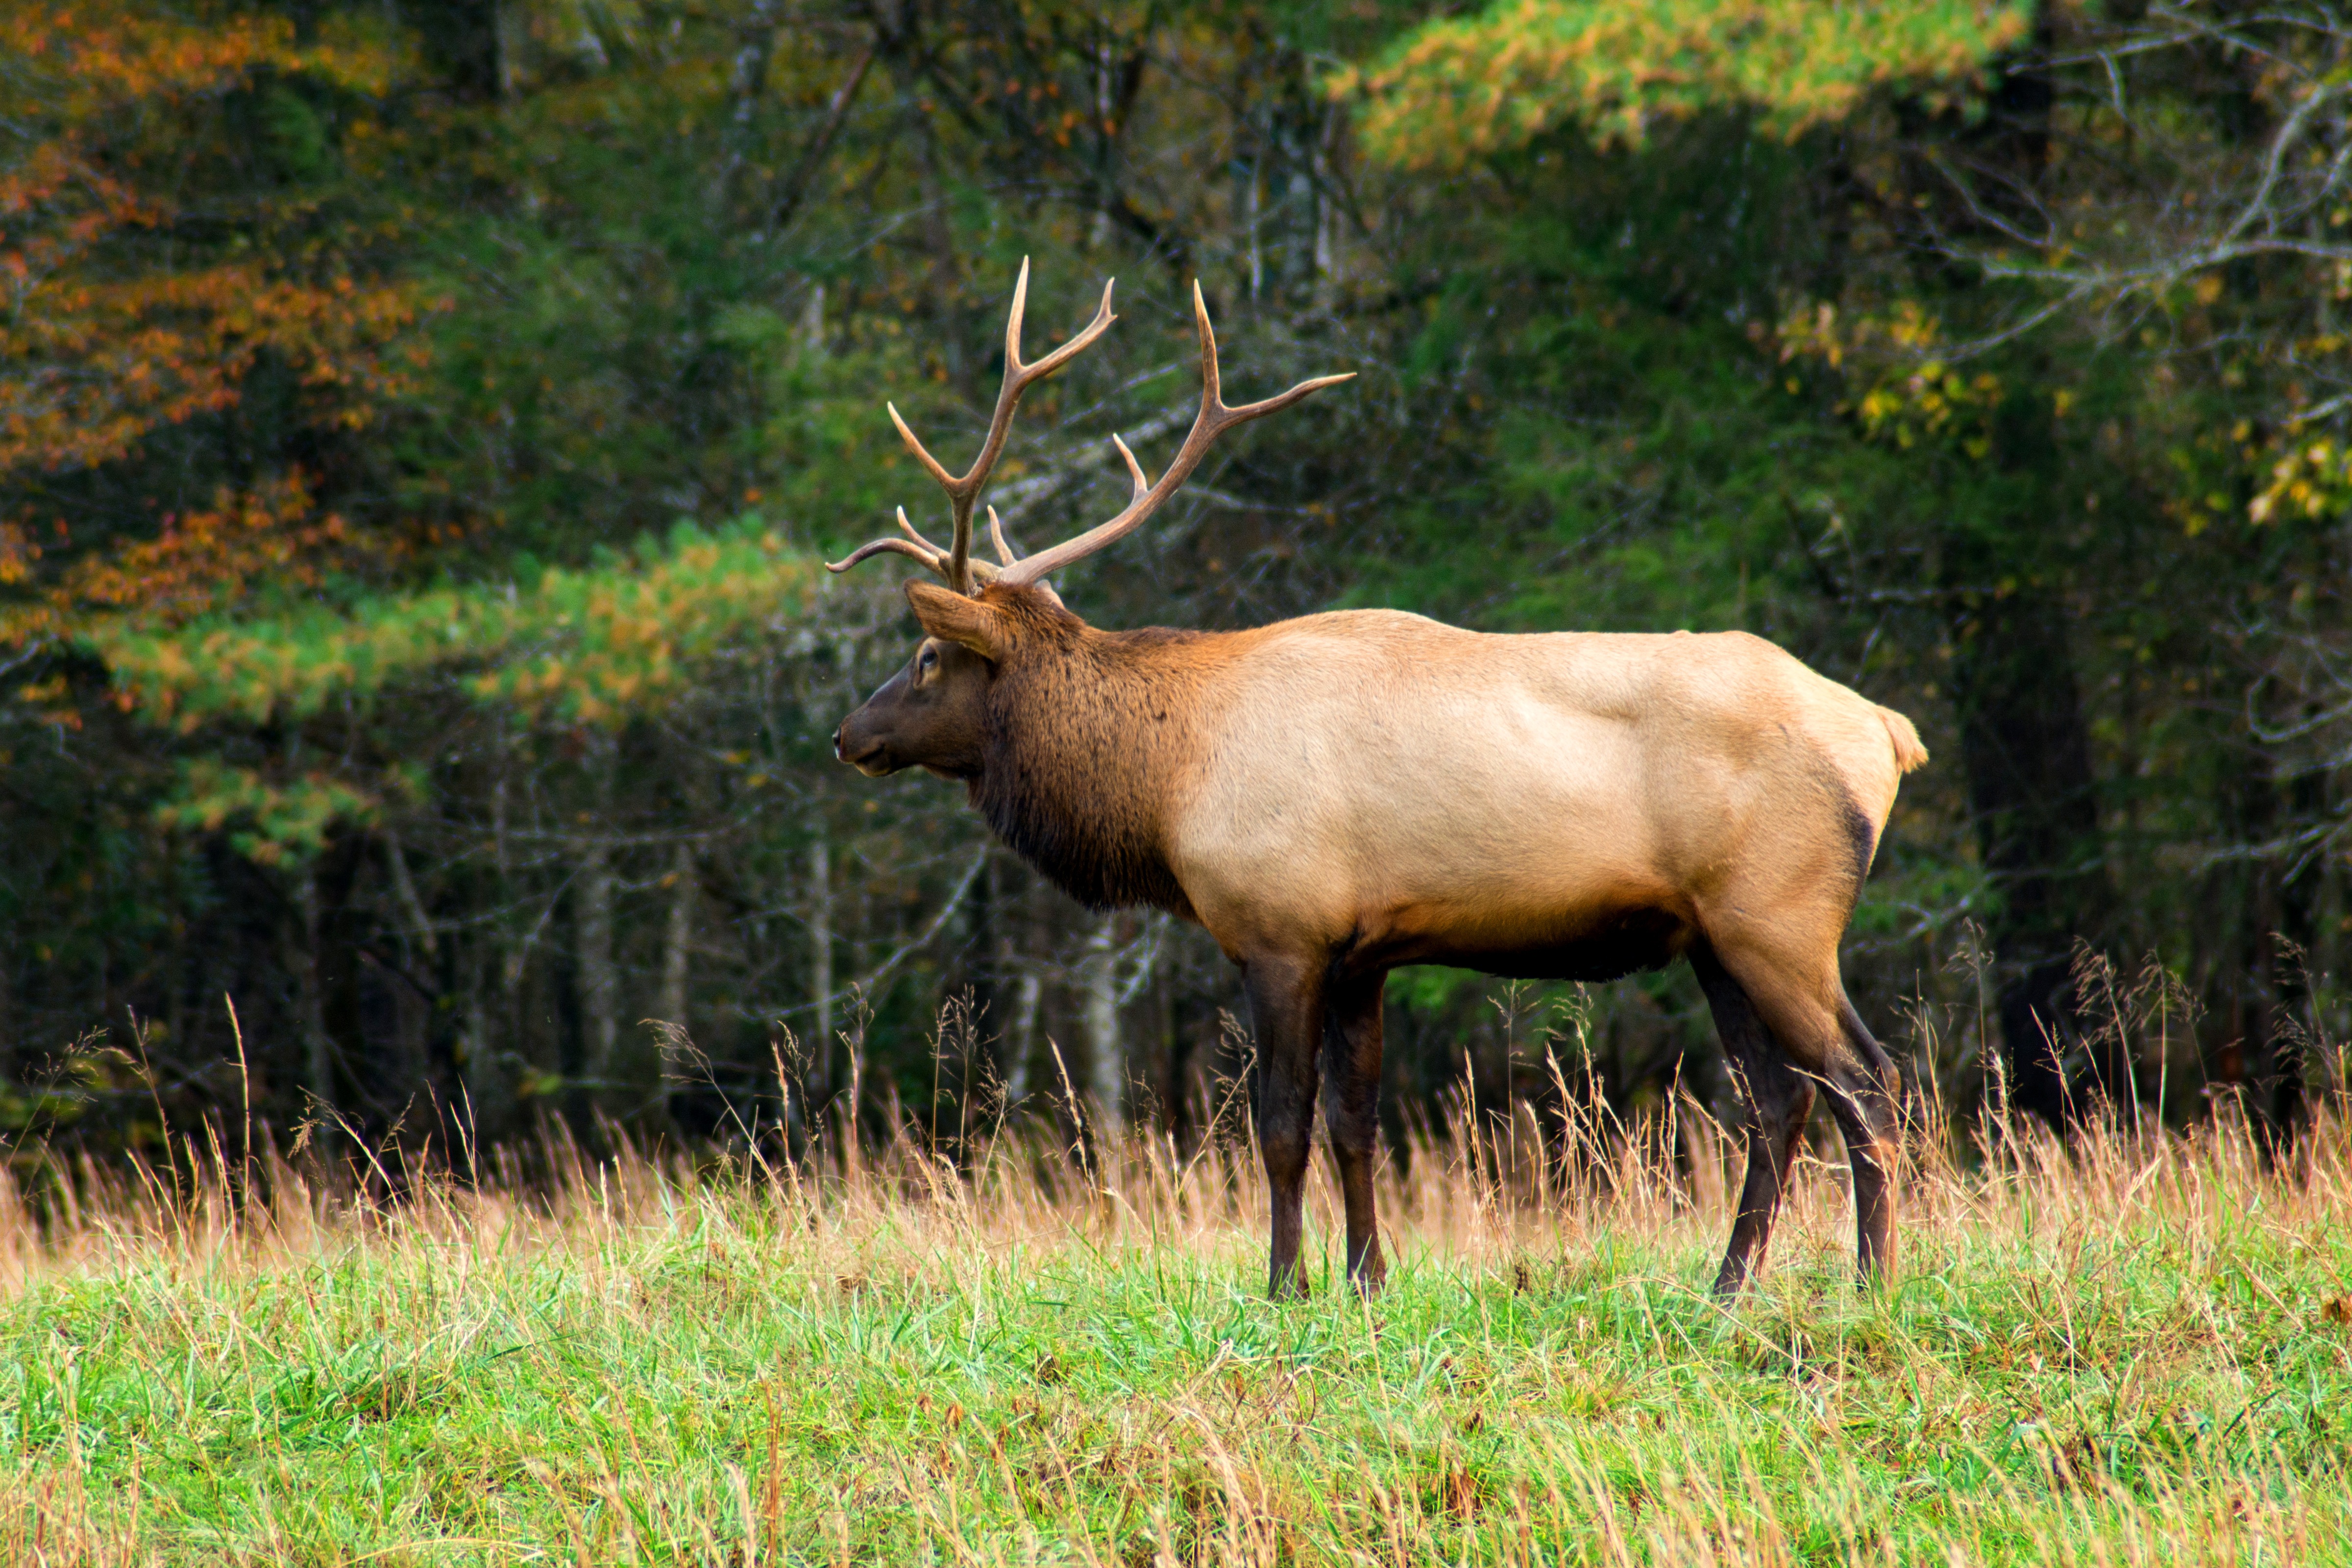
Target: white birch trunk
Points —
{"points": [[821, 958], [1106, 1060], [318, 1051], [676, 942], [599, 987], [813, 321], [1022, 1043]]}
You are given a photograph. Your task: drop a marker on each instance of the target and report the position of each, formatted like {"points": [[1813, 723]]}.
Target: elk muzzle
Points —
{"points": [[861, 742]]}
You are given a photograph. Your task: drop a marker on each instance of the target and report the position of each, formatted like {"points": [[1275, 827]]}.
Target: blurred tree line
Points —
{"points": [[421, 423]]}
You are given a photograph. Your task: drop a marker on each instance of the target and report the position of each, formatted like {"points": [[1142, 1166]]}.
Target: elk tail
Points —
{"points": [[1909, 753]]}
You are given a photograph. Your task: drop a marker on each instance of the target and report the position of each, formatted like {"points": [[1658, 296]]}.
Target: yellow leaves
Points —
{"points": [[17, 553], [1461, 89], [1822, 332], [1911, 394], [2310, 480], [50, 699]]}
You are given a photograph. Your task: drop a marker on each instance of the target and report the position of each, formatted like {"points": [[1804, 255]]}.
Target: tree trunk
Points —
{"points": [[489, 1111], [945, 276], [819, 1071], [678, 938], [2027, 754], [2301, 888], [414, 993], [600, 982], [1106, 1060], [1327, 208], [463, 40], [521, 1040], [1017, 957], [599, 987], [747, 80], [318, 1053]]}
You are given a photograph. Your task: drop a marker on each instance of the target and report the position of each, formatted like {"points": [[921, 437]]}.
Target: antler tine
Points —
{"points": [[938, 471], [917, 549], [1212, 421], [909, 530], [869, 550], [1134, 469], [996, 524], [955, 563]]}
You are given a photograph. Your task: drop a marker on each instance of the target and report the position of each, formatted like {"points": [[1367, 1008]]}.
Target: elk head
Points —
{"points": [[931, 714]]}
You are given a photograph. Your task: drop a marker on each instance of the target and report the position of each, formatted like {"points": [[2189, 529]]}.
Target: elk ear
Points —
{"points": [[952, 617]]}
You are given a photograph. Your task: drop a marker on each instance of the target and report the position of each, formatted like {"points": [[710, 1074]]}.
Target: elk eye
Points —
{"points": [[929, 660]]}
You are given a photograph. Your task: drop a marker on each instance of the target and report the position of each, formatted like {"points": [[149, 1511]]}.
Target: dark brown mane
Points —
{"points": [[1082, 729]]}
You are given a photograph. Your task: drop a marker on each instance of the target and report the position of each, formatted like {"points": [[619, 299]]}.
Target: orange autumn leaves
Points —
{"points": [[94, 365], [145, 278], [100, 57], [199, 561]]}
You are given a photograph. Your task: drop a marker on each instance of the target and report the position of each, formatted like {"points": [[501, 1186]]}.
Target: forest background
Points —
{"points": [[421, 422]]}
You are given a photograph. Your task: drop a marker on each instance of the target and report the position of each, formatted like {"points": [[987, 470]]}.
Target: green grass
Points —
{"points": [[2127, 1357]]}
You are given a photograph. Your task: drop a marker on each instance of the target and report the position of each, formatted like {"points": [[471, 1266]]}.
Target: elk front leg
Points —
{"points": [[1286, 1010], [1351, 1100]]}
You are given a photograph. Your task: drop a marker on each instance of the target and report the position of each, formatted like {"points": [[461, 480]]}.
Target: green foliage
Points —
{"points": [[826, 446], [274, 821], [592, 646], [1468, 87]]}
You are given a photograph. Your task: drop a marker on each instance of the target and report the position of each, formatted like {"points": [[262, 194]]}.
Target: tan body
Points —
{"points": [[1336, 795], [1563, 805]]}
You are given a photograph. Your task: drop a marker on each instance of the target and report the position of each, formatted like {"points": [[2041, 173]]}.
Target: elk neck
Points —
{"points": [[1087, 735]]}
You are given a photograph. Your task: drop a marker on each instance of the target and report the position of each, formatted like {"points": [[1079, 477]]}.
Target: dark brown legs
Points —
{"points": [[1778, 1100], [1785, 1035], [1315, 1031], [1287, 1015], [1783, 1040], [1862, 1090], [1351, 1102]]}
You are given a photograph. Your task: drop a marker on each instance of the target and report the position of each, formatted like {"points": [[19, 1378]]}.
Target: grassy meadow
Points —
{"points": [[2137, 1352]]}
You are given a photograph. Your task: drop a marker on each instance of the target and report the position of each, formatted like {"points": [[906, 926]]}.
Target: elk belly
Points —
{"points": [[1605, 940]]}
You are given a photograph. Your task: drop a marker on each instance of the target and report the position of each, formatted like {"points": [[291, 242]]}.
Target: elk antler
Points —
{"points": [[955, 562], [1214, 420]]}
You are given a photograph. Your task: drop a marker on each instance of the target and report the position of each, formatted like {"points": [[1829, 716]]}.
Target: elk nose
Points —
{"points": [[836, 741]]}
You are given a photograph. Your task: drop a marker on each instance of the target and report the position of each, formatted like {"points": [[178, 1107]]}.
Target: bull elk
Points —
{"points": [[1336, 795]]}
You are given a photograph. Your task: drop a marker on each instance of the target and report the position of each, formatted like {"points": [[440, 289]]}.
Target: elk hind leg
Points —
{"points": [[1777, 1099], [1863, 1086], [1286, 1011], [1805, 1005], [1352, 1090]]}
